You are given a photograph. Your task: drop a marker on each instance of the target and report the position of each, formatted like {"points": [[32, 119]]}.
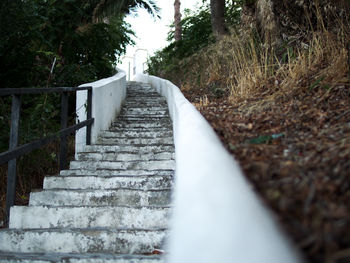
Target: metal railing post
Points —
{"points": [[88, 116], [15, 151], [63, 139], [12, 164]]}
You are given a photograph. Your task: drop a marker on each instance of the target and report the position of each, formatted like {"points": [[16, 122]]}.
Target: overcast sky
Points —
{"points": [[152, 33]]}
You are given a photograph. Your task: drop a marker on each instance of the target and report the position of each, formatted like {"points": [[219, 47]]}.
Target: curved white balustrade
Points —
{"points": [[217, 215]]}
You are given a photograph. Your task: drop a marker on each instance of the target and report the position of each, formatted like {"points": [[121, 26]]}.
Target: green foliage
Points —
{"points": [[103, 9], [34, 32], [196, 34], [18, 25], [93, 52]]}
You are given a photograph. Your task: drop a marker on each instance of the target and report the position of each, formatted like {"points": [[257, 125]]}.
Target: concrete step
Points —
{"points": [[111, 182], [144, 96], [8, 257], [135, 141], [81, 240], [141, 109], [136, 134], [144, 125], [114, 156], [142, 149], [131, 165], [155, 111], [140, 126], [145, 100], [142, 113], [125, 173], [34, 217], [137, 91], [142, 118], [156, 100], [112, 197], [142, 99], [140, 129], [147, 105]]}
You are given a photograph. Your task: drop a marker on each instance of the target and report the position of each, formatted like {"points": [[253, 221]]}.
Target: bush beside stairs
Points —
{"points": [[113, 204]]}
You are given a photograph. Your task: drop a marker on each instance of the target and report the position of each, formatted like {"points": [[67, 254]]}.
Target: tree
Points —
{"points": [[217, 9], [196, 34], [108, 8], [177, 20], [34, 33]]}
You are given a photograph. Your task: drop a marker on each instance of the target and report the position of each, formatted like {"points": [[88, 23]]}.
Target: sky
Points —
{"points": [[151, 33]]}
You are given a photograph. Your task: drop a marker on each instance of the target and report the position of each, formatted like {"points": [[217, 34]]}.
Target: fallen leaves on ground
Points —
{"points": [[295, 150]]}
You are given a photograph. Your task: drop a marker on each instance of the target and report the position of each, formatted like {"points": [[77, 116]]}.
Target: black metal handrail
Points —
{"points": [[15, 151]]}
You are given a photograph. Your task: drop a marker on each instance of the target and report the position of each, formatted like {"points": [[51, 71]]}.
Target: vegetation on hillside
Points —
{"points": [[277, 92]]}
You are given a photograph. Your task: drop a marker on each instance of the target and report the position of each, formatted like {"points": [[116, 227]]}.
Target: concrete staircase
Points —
{"points": [[112, 205]]}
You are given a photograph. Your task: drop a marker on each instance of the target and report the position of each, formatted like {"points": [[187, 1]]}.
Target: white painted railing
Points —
{"points": [[107, 98], [217, 216]]}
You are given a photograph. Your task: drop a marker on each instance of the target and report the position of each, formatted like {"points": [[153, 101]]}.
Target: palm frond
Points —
{"points": [[108, 8]]}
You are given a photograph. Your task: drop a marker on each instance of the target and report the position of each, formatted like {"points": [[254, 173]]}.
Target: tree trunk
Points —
{"points": [[248, 19], [267, 21], [177, 20], [260, 14], [217, 9]]}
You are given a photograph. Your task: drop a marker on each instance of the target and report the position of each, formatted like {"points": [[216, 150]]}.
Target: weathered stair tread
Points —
{"points": [[8, 257], [143, 113], [137, 141], [136, 134], [130, 165], [110, 182], [116, 156], [89, 217], [141, 109], [142, 119], [140, 129], [144, 101], [132, 197], [106, 173], [129, 148], [138, 125], [87, 240]]}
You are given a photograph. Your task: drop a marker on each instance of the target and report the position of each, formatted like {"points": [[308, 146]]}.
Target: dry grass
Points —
{"points": [[324, 64], [241, 66], [203, 102]]}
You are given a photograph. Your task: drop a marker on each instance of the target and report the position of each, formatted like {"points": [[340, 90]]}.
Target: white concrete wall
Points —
{"points": [[107, 97], [137, 63], [140, 61], [217, 216], [127, 65]]}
